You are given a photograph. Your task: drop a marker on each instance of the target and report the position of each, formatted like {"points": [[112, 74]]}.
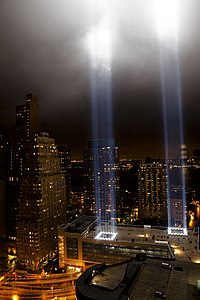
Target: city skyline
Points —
{"points": [[44, 50]]}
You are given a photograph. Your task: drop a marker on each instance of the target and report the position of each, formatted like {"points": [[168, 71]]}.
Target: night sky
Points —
{"points": [[43, 49]]}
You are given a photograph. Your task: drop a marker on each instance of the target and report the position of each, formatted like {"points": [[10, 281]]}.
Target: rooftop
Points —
{"points": [[107, 282], [144, 237], [80, 225], [132, 280]]}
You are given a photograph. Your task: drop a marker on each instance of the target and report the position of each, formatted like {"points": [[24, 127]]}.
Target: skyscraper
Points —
{"points": [[42, 202], [65, 161], [101, 161], [36, 195], [177, 189], [153, 191], [182, 157], [3, 172], [27, 123]]}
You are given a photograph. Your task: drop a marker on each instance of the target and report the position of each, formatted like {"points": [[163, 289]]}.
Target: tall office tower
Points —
{"points": [[179, 191], [127, 206], [101, 170], [182, 157], [27, 119], [3, 172], [77, 193], [65, 161], [177, 173], [153, 191], [42, 202], [27, 123]]}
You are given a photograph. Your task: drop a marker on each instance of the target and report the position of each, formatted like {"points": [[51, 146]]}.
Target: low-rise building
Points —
{"points": [[83, 242]]}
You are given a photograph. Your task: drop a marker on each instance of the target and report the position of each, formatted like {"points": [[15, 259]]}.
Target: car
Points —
{"points": [[166, 265], [159, 294]]}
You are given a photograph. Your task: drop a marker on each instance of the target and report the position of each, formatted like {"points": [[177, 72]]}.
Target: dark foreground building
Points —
{"points": [[107, 282], [150, 279]]}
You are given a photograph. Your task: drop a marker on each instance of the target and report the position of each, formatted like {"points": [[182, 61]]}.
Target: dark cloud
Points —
{"points": [[44, 50]]}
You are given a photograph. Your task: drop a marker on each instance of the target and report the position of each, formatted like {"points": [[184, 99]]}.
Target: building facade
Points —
{"points": [[3, 176], [101, 174], [42, 205], [153, 191], [35, 187], [27, 123], [65, 161], [79, 245]]}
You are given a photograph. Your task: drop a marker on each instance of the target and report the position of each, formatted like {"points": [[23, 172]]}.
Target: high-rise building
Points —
{"points": [[76, 207], [27, 120], [177, 173], [101, 172], [27, 123], [3, 172], [153, 191], [36, 197], [127, 205], [42, 202], [182, 157], [178, 190], [65, 161]]}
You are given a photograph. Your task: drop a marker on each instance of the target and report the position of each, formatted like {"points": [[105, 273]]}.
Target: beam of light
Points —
{"points": [[167, 19], [99, 45], [99, 42], [166, 15], [181, 130]]}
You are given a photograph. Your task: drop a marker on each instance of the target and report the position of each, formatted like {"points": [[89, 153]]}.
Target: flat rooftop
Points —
{"points": [[80, 225], [107, 282], [184, 247], [133, 282], [179, 283]]}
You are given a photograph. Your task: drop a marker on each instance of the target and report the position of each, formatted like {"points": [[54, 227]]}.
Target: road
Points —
{"points": [[59, 286]]}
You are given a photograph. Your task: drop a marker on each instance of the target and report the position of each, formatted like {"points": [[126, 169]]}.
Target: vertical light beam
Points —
{"points": [[99, 44], [166, 16]]}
